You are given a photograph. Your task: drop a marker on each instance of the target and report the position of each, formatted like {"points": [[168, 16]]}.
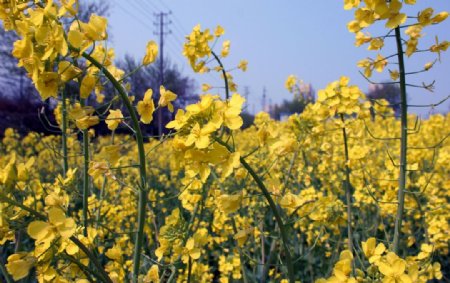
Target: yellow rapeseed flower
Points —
{"points": [[393, 268], [87, 85], [47, 84], [114, 118], [146, 107], [58, 225], [229, 203], [219, 31], [19, 265], [372, 251], [95, 29], [243, 64], [151, 53], [166, 98], [152, 275], [290, 82], [68, 71]]}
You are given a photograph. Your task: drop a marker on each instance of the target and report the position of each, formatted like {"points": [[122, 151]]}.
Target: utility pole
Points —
{"points": [[246, 95], [161, 23], [264, 97], [270, 108]]}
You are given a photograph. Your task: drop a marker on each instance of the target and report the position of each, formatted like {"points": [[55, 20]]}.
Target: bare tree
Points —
{"points": [[149, 78], [388, 91], [19, 100]]}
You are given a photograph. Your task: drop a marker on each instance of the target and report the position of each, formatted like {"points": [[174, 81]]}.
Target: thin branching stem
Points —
{"points": [[142, 198], [224, 73], [275, 211]]}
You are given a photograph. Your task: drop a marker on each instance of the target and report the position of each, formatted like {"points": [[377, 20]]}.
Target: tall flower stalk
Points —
{"points": [[348, 190], [143, 191], [403, 143]]}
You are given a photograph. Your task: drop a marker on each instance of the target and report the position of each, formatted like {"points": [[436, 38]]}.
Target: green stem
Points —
{"points": [[241, 257], [172, 274], [189, 270], [93, 259], [5, 273], [64, 133], [102, 195], [4, 198], [233, 223], [403, 143], [142, 171], [85, 269], [274, 208], [85, 180], [190, 230], [265, 268], [224, 73], [275, 211], [265, 271], [422, 219], [348, 192], [131, 73], [78, 243]]}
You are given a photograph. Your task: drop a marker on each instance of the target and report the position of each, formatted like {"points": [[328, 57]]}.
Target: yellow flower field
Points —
{"points": [[346, 191]]}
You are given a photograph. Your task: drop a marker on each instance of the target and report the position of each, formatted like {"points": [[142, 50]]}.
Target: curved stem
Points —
{"points": [[403, 143], [225, 78], [275, 211], [142, 198], [277, 216]]}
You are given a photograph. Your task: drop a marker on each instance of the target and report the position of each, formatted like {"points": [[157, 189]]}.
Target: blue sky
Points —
{"points": [[307, 38]]}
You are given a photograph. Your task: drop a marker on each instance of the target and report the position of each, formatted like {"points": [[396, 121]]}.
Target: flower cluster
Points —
{"points": [[369, 12], [340, 98]]}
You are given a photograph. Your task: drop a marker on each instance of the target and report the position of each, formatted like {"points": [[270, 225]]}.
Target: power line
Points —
{"points": [[174, 48], [174, 43], [148, 3], [144, 7], [140, 10], [164, 5], [180, 32], [180, 25], [132, 15]]}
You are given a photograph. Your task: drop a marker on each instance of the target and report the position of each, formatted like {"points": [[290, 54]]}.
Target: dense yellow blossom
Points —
{"points": [[211, 201]]}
